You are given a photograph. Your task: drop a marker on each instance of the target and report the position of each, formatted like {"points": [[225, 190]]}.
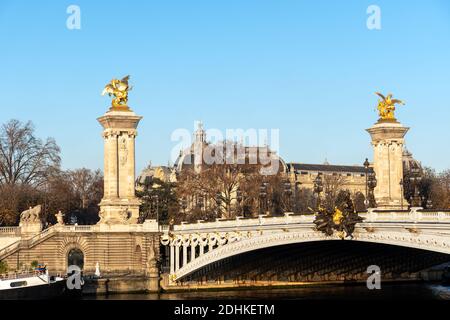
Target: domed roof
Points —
{"points": [[188, 158], [147, 175], [409, 162], [185, 160]]}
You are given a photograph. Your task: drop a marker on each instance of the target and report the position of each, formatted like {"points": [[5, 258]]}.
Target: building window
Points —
{"points": [[18, 284]]}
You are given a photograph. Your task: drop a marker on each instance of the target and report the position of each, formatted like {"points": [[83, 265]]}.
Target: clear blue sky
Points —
{"points": [[308, 68]]}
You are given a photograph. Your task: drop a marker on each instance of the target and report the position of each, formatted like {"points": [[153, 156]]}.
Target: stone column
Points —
{"points": [[185, 247], [172, 259], [119, 204], [193, 246], [388, 141], [106, 191], [111, 155], [202, 249], [131, 192], [177, 258]]}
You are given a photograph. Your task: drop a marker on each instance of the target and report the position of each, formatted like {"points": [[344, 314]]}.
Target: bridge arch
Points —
{"points": [[75, 252], [434, 242], [75, 257]]}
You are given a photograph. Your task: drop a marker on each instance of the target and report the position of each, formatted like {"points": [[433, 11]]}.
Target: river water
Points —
{"points": [[417, 291]]}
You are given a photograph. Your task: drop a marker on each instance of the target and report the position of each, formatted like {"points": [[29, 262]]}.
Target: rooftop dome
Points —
{"points": [[150, 173], [409, 162]]}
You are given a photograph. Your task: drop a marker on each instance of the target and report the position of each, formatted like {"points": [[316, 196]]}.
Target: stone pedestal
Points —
{"points": [[388, 141], [119, 204], [153, 279], [31, 222], [28, 230]]}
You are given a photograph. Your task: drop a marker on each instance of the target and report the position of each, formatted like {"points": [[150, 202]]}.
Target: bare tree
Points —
{"points": [[9, 201], [214, 191], [438, 191], [25, 159], [26, 162], [222, 183], [332, 184], [86, 185]]}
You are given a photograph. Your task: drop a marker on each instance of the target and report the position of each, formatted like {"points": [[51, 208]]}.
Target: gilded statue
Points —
{"points": [[386, 106], [338, 216], [342, 220], [119, 89]]}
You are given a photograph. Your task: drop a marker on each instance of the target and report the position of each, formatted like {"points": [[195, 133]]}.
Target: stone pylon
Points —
{"points": [[388, 141], [119, 204]]}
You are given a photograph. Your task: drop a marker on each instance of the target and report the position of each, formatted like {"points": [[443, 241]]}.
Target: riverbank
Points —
{"points": [[433, 275], [138, 285], [401, 291], [131, 284], [117, 285]]}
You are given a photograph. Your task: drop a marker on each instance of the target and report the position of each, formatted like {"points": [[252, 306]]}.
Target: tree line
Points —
{"points": [[229, 190], [31, 174]]}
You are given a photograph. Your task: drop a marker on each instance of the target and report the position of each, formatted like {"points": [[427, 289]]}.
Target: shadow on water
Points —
{"points": [[387, 292]]}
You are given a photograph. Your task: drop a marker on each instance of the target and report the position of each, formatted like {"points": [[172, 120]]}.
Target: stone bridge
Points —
{"points": [[194, 246]]}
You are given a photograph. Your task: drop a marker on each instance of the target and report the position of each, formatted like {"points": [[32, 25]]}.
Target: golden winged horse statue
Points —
{"points": [[119, 89], [386, 106]]}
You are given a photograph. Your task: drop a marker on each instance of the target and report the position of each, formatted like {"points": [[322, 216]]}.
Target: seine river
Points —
{"points": [[387, 292]]}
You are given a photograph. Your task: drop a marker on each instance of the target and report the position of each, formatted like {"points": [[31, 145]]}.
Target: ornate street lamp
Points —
{"points": [[366, 166], [402, 186], [288, 193], [372, 183], [318, 187], [219, 203], [415, 180], [239, 199], [200, 202], [155, 199], [183, 204], [263, 197], [296, 190]]}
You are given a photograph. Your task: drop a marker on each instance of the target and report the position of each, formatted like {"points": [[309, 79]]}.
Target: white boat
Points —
{"points": [[32, 286]]}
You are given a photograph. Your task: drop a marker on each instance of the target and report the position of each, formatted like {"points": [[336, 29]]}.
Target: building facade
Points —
{"points": [[301, 175]]}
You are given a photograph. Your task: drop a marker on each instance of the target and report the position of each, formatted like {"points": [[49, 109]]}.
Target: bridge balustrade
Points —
{"points": [[9, 231], [190, 242]]}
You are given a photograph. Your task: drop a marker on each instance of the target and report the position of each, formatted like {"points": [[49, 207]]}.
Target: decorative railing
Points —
{"points": [[20, 275], [26, 242], [43, 234], [164, 228], [372, 216], [9, 231], [73, 228], [148, 226], [12, 247]]}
